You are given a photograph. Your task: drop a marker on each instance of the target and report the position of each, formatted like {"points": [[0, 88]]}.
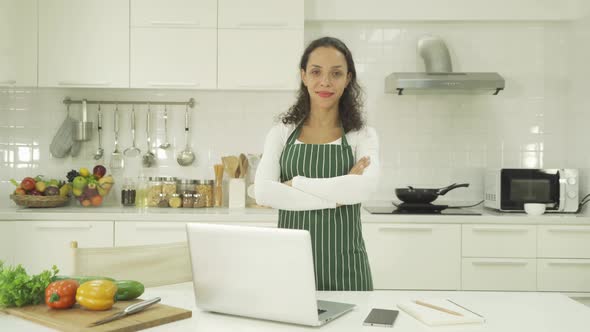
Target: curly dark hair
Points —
{"points": [[350, 104]]}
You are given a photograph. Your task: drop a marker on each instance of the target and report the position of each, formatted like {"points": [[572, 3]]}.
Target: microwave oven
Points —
{"points": [[508, 189]]}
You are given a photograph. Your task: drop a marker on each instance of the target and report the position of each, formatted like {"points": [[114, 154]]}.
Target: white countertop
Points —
{"points": [[75, 213], [504, 312]]}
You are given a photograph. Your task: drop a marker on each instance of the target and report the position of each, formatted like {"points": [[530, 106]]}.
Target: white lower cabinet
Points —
{"points": [[42, 244], [564, 275], [7, 232], [499, 241], [567, 241], [510, 274], [410, 256], [128, 233]]}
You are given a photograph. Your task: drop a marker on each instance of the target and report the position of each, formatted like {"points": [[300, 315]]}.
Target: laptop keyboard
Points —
{"points": [[321, 311]]}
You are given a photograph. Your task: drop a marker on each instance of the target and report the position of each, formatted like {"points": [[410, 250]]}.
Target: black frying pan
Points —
{"points": [[420, 195]]}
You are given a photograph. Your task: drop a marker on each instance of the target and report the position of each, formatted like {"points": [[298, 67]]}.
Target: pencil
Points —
{"points": [[432, 306]]}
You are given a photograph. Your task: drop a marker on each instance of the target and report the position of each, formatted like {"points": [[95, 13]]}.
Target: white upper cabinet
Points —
{"points": [[258, 14], [18, 43], [84, 43], [259, 59], [174, 13], [173, 58]]}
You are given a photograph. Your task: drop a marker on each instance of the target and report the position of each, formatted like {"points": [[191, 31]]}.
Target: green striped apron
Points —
{"points": [[339, 254]]}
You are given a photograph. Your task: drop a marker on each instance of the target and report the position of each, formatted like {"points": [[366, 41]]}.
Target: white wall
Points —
{"points": [[425, 140]]}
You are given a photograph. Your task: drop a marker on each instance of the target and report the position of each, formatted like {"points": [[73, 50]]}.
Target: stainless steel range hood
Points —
{"points": [[439, 77]]}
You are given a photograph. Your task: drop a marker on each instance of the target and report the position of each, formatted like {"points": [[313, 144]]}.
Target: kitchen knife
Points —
{"points": [[130, 310]]}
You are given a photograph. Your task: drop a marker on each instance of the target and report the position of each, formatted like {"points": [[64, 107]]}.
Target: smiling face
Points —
{"points": [[325, 76]]}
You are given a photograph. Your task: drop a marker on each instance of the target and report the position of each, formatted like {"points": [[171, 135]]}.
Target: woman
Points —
{"points": [[320, 163]]}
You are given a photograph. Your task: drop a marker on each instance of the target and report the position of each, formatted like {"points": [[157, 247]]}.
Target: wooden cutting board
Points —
{"points": [[78, 319]]}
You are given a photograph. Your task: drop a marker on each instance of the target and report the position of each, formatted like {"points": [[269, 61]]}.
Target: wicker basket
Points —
{"points": [[39, 201]]}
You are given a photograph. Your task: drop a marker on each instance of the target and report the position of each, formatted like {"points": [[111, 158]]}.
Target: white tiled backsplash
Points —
{"points": [[427, 141]]}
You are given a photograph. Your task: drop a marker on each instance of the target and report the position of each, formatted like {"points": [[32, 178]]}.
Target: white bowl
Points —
{"points": [[534, 209]]}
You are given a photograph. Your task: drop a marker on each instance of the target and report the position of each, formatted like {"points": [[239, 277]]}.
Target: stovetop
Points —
{"points": [[404, 208]]}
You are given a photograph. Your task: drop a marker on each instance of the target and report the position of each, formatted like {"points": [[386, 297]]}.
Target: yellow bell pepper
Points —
{"points": [[97, 294]]}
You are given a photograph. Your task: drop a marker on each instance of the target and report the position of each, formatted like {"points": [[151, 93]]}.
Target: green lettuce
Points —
{"points": [[17, 288]]}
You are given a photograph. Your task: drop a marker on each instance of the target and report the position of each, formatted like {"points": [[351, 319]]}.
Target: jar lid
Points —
{"points": [[154, 178], [168, 179], [211, 182], [187, 181]]}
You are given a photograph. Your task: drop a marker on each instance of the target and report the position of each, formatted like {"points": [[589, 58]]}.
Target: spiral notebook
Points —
{"points": [[434, 317]]}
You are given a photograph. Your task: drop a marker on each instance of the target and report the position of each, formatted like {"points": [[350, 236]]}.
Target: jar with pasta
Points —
{"points": [[205, 189], [153, 191], [185, 185], [168, 186]]}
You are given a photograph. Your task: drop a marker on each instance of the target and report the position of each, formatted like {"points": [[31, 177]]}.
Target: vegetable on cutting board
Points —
{"points": [[81, 279], [61, 294], [128, 290], [97, 294], [17, 288]]}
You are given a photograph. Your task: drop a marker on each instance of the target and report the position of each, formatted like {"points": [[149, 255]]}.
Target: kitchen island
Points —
{"points": [[503, 311]]}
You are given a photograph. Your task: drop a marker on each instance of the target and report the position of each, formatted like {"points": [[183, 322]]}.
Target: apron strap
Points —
{"points": [[344, 141]]}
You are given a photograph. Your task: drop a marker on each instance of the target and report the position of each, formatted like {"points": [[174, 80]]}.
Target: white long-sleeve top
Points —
{"points": [[315, 193]]}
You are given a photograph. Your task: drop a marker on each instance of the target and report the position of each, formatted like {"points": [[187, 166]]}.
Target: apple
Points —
{"points": [[28, 183], [99, 171]]}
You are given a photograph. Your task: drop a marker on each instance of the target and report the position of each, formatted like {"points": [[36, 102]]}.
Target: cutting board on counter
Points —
{"points": [[77, 319]]}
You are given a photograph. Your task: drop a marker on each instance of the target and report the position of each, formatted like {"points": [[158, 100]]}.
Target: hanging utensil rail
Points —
{"points": [[190, 103]]}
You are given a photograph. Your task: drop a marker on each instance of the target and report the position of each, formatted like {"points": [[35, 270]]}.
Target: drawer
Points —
{"points": [[157, 232], [499, 241], [564, 275], [508, 274], [406, 256], [564, 242], [142, 233]]}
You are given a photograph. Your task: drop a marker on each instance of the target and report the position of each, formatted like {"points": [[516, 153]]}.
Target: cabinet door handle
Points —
{"points": [[569, 230], [406, 229], [174, 84], [570, 263], [500, 229], [8, 82], [511, 263], [176, 23], [69, 83], [160, 227], [262, 86], [262, 24], [73, 227]]}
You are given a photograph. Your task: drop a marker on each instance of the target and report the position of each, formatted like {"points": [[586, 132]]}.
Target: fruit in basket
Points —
{"points": [[52, 191], [99, 171], [80, 182], [40, 186], [28, 183], [90, 189]]}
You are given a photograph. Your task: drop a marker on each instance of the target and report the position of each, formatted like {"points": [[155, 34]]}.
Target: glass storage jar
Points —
{"points": [[168, 186], [154, 189], [188, 199], [140, 194], [205, 189], [175, 201], [128, 193], [185, 185]]}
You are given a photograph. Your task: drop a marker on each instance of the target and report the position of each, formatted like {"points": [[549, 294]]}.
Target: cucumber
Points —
{"points": [[81, 279], [128, 290]]}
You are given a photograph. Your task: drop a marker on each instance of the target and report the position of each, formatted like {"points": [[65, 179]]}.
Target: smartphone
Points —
{"points": [[381, 317]]}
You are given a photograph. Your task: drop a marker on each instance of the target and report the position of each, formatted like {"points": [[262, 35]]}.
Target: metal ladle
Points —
{"points": [[186, 156], [149, 159], [165, 145], [100, 151], [132, 151]]}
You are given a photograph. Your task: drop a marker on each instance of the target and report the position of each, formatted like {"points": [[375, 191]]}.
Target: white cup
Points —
{"points": [[534, 209]]}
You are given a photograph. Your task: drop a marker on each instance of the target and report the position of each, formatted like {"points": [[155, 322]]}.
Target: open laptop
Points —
{"points": [[257, 272]]}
